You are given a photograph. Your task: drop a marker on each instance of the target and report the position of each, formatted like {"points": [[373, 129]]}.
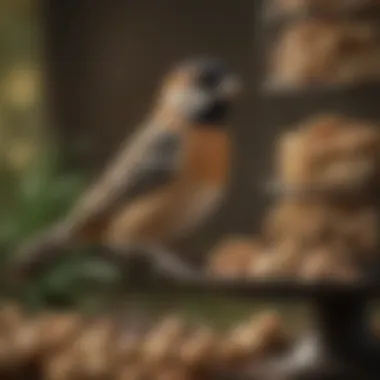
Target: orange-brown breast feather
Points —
{"points": [[207, 156], [152, 218]]}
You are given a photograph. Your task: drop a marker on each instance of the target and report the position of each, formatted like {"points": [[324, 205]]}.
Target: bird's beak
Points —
{"points": [[230, 87]]}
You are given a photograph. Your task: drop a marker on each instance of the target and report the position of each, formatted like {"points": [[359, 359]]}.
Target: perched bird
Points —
{"points": [[165, 180]]}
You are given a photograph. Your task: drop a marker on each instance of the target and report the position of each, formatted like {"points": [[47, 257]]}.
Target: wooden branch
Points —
{"points": [[158, 271]]}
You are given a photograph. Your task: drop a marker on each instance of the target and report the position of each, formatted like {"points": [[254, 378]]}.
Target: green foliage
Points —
{"points": [[32, 200], [29, 203], [34, 190]]}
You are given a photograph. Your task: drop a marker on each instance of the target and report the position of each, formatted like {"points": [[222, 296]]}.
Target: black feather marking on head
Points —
{"points": [[209, 74], [215, 114]]}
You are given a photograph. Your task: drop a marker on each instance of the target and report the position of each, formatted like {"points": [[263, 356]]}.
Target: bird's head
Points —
{"points": [[200, 90]]}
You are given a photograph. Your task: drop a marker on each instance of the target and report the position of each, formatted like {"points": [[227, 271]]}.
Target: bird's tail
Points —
{"points": [[37, 254], [140, 263]]}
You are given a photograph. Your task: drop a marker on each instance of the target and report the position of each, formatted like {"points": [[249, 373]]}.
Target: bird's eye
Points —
{"points": [[209, 79]]}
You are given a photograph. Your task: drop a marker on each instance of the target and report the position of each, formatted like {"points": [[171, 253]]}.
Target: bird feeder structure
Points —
{"points": [[297, 85]]}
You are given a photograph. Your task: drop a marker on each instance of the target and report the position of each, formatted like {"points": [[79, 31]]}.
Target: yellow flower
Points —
{"points": [[21, 87], [20, 154]]}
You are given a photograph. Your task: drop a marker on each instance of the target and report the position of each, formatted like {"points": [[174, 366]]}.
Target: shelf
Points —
{"points": [[315, 91], [270, 17], [279, 288]]}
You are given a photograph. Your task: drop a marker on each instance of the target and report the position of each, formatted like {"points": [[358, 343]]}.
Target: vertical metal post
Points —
{"points": [[343, 324]]}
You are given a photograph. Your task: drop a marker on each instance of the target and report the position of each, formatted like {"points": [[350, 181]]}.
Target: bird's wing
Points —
{"points": [[150, 161]]}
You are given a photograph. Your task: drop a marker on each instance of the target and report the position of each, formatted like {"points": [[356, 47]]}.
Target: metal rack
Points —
{"points": [[340, 346]]}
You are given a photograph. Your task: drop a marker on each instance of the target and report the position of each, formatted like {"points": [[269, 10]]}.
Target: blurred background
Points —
{"points": [[35, 187]]}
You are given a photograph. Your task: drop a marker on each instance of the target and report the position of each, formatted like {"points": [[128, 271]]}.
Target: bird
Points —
{"points": [[165, 180]]}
